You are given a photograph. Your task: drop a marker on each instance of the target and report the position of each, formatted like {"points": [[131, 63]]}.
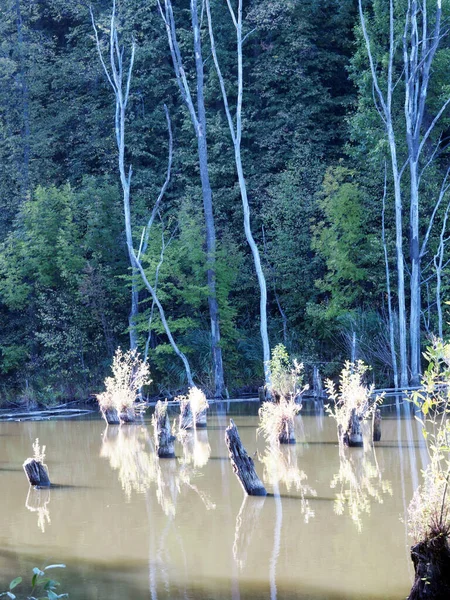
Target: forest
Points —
{"points": [[188, 156]]}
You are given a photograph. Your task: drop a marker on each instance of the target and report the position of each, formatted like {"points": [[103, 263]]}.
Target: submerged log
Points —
{"points": [[377, 425], [186, 418], [36, 473], [243, 465], [431, 560], [353, 436], [163, 434]]}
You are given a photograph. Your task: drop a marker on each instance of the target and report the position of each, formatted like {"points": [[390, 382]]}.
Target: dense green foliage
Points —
{"points": [[313, 154]]}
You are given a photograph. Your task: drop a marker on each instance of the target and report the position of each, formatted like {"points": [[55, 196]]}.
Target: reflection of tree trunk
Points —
{"points": [[432, 569], [37, 501], [163, 434], [246, 523], [377, 425]]}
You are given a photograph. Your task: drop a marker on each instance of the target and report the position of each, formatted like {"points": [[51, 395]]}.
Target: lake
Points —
{"points": [[128, 525]]}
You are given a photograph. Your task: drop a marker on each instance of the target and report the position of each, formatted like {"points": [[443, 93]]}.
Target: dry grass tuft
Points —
{"points": [[277, 419], [353, 393], [130, 374]]}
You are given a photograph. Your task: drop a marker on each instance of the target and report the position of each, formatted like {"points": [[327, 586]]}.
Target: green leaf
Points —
{"points": [[15, 582]]}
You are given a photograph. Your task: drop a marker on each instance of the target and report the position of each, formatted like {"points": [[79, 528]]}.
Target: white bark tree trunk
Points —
{"points": [[236, 136]]}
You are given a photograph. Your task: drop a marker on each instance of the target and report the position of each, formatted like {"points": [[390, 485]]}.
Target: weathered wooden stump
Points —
{"points": [[163, 434], [127, 415], [36, 473], [287, 435], [432, 569], [353, 436], [243, 465], [186, 418], [262, 394], [110, 415], [201, 419], [377, 425]]}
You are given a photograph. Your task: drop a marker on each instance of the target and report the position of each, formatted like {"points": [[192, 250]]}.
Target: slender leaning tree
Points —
{"points": [[198, 117], [235, 127], [119, 79]]}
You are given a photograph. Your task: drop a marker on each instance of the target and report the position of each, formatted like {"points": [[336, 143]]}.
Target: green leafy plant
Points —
{"points": [[429, 510], [286, 374], [42, 586]]}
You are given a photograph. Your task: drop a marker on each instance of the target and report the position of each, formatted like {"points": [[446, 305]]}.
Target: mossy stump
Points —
{"points": [[36, 473], [431, 560], [243, 465]]}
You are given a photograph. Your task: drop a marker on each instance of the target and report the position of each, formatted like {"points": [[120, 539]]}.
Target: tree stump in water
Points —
{"points": [[110, 415], [163, 434], [243, 465], [127, 415], [200, 419], [36, 473], [186, 418], [377, 425], [353, 436], [432, 569], [287, 435], [262, 394]]}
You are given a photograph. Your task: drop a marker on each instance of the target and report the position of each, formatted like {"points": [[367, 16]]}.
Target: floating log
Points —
{"points": [[201, 419], [243, 465], [36, 473], [377, 425], [163, 434], [431, 560], [353, 436], [186, 418]]}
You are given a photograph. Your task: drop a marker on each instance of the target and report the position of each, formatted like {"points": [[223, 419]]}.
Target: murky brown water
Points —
{"points": [[130, 526]]}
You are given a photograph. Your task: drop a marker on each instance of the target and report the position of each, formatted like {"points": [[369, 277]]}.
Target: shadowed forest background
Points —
{"points": [[314, 155]]}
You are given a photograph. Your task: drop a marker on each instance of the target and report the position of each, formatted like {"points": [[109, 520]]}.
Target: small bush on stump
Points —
{"points": [[277, 418], [352, 402], [118, 402]]}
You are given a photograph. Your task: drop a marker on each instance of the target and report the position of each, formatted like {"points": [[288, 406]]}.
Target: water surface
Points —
{"points": [[130, 526]]}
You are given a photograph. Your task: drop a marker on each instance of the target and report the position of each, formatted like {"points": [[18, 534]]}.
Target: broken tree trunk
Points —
{"points": [[36, 473], [163, 434], [186, 418], [431, 560], [110, 415], [200, 419], [243, 465], [127, 415], [353, 436], [287, 435], [377, 425]]}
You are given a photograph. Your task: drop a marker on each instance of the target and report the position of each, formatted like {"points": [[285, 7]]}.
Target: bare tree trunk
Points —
{"points": [[388, 289], [121, 91], [236, 136], [384, 108], [198, 118], [439, 265], [25, 183], [243, 465]]}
